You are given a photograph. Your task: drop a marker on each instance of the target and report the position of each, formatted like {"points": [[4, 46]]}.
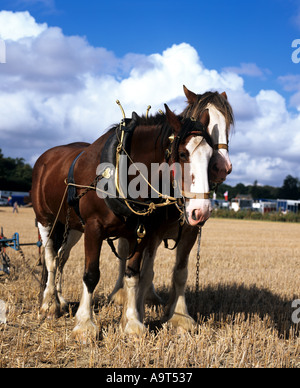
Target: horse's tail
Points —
{"points": [[44, 279]]}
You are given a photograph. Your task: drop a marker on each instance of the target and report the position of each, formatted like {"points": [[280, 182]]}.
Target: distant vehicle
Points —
{"points": [[288, 205], [265, 206], [220, 204], [241, 204]]}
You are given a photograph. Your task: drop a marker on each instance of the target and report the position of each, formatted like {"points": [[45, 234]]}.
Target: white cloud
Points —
{"points": [[57, 89], [248, 69], [15, 26], [291, 83]]}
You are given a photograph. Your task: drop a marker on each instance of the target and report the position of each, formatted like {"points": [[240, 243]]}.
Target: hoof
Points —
{"points": [[50, 310], [63, 304], [117, 297], [182, 321], [85, 333], [152, 299], [134, 328]]}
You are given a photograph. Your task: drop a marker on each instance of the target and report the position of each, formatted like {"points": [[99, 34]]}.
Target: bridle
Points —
{"points": [[217, 147], [191, 127]]}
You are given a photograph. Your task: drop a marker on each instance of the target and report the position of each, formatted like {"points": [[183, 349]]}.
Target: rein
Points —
{"points": [[168, 200]]}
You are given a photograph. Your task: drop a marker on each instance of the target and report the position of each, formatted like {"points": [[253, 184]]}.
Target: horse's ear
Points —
{"points": [[224, 95], [191, 97], [204, 118], [173, 120]]}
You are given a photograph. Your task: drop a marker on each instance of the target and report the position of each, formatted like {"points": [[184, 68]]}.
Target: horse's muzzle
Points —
{"points": [[198, 212]]}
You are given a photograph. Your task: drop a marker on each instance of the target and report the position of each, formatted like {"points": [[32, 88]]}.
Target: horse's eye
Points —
{"points": [[183, 156]]}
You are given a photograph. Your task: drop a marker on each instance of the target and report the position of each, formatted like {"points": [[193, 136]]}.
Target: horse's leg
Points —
{"points": [[136, 284], [85, 326], [151, 297], [146, 289], [63, 254], [117, 296], [131, 321], [50, 304], [177, 312]]}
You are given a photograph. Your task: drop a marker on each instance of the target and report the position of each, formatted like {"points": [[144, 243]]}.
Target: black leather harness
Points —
{"points": [[72, 199], [108, 156]]}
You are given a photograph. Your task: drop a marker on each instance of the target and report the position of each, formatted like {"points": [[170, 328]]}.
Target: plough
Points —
{"points": [[13, 243]]}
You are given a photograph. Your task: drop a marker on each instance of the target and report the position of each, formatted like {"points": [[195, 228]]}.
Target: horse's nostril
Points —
{"points": [[194, 217], [215, 168]]}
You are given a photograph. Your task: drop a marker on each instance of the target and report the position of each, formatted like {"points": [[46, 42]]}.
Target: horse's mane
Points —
{"points": [[193, 110], [213, 98], [158, 120]]}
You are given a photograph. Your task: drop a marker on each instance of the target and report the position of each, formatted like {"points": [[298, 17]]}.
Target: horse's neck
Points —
{"points": [[146, 145]]}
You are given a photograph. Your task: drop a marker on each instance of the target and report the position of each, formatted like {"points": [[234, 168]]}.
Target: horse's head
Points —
{"points": [[221, 117], [192, 150]]}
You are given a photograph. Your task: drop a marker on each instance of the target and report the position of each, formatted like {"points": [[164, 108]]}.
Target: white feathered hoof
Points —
{"points": [[134, 328], [50, 309], [85, 333], [182, 321]]}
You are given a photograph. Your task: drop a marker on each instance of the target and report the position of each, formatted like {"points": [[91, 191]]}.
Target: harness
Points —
{"points": [[119, 144], [72, 199], [112, 151]]}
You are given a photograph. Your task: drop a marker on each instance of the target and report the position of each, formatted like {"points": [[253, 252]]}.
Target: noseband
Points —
{"points": [[221, 147]]}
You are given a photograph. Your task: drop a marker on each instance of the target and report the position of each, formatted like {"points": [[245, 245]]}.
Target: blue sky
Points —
{"points": [[241, 46], [225, 33]]}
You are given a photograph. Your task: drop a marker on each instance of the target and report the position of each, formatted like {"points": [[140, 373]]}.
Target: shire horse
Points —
{"points": [[75, 166], [221, 119]]}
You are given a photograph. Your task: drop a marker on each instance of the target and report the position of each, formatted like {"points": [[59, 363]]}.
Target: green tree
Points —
{"points": [[290, 188], [15, 174]]}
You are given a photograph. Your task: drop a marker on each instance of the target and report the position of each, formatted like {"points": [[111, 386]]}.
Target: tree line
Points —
{"points": [[16, 175], [289, 190]]}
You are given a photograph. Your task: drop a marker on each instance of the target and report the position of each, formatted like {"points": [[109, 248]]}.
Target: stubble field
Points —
{"points": [[249, 277]]}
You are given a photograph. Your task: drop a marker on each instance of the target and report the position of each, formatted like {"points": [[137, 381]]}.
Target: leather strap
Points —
{"points": [[221, 147], [189, 195]]}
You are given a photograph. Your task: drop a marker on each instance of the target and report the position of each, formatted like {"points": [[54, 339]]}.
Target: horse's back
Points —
{"points": [[48, 179]]}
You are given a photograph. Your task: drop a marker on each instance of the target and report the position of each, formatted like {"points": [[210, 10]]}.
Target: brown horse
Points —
{"points": [[221, 118], [98, 218]]}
